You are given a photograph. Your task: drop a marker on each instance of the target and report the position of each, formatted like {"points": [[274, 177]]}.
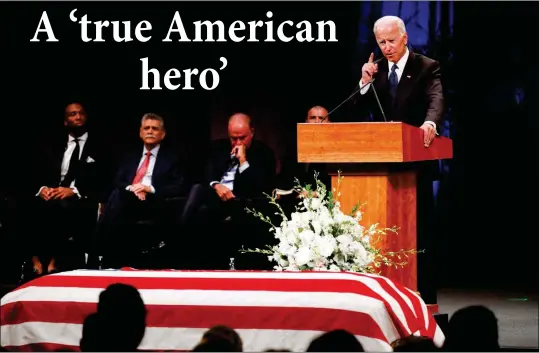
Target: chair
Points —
{"points": [[151, 238]]}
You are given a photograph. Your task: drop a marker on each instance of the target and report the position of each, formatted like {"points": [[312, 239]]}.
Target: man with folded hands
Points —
{"points": [[69, 182], [146, 178]]}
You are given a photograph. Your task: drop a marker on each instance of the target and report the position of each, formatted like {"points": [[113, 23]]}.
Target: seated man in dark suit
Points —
{"points": [[69, 184], [239, 170], [144, 180]]}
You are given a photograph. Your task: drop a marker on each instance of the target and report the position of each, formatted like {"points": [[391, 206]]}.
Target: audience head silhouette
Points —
{"points": [[414, 344], [224, 332], [121, 317], [474, 328], [90, 334], [335, 341], [220, 344]]}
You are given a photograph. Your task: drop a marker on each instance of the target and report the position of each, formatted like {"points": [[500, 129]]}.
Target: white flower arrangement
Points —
{"points": [[320, 237]]}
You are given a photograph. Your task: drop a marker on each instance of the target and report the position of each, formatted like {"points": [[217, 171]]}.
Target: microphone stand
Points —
{"points": [[354, 93], [378, 101], [346, 100]]}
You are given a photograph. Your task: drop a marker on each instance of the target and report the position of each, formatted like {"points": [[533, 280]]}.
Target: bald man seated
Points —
{"points": [[304, 172], [239, 169]]}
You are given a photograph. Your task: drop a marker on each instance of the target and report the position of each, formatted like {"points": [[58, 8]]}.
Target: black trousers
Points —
{"points": [[129, 228], [217, 230], [426, 239], [66, 229]]}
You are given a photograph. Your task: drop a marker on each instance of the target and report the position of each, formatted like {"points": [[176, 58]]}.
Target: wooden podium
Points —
{"points": [[378, 161]]}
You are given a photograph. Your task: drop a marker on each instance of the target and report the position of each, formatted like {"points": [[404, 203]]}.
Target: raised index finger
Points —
{"points": [[371, 58]]}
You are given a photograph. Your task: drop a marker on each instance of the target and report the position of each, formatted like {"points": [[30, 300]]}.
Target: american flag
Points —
{"points": [[268, 309]]}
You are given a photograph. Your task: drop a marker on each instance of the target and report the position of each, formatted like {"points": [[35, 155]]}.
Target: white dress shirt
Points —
{"points": [[147, 179], [228, 178], [67, 158], [400, 68]]}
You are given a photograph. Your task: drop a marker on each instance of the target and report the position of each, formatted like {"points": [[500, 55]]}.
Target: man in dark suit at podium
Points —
{"points": [[406, 86]]}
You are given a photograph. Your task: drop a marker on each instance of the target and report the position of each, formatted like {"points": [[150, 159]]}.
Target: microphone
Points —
{"points": [[358, 90], [344, 101]]}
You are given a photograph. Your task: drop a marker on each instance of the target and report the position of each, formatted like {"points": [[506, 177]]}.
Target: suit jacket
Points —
{"points": [[419, 95], [92, 175], [258, 178], [167, 178]]}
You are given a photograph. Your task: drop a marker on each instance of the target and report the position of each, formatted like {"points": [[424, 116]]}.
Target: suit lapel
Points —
{"points": [[132, 167], [381, 77], [160, 163], [86, 150], [407, 80]]}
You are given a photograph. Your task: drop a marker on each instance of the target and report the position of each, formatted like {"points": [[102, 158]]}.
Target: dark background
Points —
{"points": [[489, 55]]}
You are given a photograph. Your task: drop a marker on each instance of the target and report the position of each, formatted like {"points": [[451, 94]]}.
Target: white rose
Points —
{"points": [[326, 245], [303, 256], [361, 256], [345, 240], [306, 237], [291, 236], [283, 247], [317, 226], [306, 217], [294, 219], [291, 251], [315, 203]]}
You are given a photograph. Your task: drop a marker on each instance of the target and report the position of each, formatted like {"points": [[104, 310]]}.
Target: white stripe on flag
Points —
{"points": [[173, 338]]}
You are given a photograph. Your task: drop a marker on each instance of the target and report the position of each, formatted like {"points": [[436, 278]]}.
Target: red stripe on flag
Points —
{"points": [[210, 283], [351, 285], [42, 347], [197, 316], [414, 317]]}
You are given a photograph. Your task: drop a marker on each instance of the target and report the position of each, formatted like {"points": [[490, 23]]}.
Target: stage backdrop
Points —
{"points": [[489, 70]]}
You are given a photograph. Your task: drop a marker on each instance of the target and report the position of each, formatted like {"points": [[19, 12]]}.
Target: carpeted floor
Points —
{"points": [[517, 313]]}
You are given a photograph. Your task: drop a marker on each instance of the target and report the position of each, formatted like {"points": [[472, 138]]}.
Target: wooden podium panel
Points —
{"points": [[390, 201], [378, 162], [367, 143]]}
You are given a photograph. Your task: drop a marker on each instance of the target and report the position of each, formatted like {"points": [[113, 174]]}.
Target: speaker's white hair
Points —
{"points": [[388, 20], [153, 116]]}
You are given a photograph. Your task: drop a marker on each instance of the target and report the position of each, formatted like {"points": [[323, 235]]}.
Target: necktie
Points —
{"points": [[393, 82], [141, 172], [73, 166]]}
